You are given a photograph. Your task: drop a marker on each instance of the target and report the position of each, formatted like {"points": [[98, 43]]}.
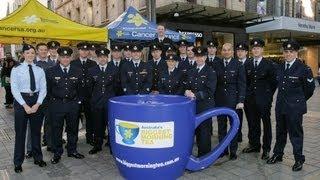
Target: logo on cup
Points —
{"points": [[128, 132]]}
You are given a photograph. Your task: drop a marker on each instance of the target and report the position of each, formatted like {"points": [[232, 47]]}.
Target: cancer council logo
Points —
{"points": [[31, 19]]}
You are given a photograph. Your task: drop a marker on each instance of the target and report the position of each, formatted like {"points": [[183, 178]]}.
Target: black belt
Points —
{"points": [[64, 100], [30, 94]]}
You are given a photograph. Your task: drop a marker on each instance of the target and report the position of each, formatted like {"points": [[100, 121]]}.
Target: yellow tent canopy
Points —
{"points": [[33, 22]]}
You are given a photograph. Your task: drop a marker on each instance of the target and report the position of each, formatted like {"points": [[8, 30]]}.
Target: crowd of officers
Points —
{"points": [[57, 89]]}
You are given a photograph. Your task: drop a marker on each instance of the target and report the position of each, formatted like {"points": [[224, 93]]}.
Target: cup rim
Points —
{"points": [[115, 100]]}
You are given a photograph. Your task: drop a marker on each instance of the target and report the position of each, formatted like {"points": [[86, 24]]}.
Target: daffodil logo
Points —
{"points": [[31, 19], [137, 20], [120, 33]]}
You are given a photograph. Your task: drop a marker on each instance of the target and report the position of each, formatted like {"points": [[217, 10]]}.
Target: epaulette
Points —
{"points": [[18, 64]]}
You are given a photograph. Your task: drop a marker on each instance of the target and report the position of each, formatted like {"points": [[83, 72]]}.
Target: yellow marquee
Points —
{"points": [[33, 22]]}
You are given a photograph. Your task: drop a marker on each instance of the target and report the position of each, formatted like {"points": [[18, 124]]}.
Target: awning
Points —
{"points": [[33, 21], [286, 23]]}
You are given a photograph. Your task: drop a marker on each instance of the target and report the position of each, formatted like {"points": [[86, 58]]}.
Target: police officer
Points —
{"points": [[261, 87], [191, 62], [242, 52], [182, 44], [136, 76], [170, 80], [101, 79], [295, 87], [64, 84], [201, 86], [157, 64], [43, 61], [28, 86], [92, 51], [127, 53], [230, 92], [117, 63], [170, 50], [212, 58], [84, 63], [53, 47]]}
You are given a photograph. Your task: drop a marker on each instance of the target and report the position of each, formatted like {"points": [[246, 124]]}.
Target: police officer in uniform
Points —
{"points": [[127, 53], [170, 80], [242, 52], [201, 86], [231, 89], [84, 63], [212, 58], [64, 84], [170, 50], [136, 76], [261, 87], [28, 86], [117, 63], [182, 44], [157, 64], [53, 54], [101, 79], [295, 87], [92, 51]]}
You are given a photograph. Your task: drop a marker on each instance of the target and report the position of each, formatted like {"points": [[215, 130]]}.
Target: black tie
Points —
{"points": [[136, 65], [82, 62], [32, 80], [117, 64], [183, 59], [287, 68], [226, 63], [190, 62], [255, 64], [102, 69], [210, 59], [65, 70]]}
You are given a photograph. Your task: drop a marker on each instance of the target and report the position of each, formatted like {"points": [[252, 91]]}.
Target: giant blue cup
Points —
{"points": [[151, 136]]}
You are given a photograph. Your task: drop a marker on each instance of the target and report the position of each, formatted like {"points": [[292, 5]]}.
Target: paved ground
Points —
{"points": [[102, 165]]}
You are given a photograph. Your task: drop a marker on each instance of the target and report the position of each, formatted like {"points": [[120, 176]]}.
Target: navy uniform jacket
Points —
{"points": [[231, 86], [117, 82], [156, 70], [203, 85], [294, 88], [246, 66], [61, 86], [171, 84], [45, 64], [101, 85], [261, 82], [84, 68], [213, 63], [136, 80]]}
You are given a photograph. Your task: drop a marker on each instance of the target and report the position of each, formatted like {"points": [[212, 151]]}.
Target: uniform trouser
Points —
{"points": [[85, 107], [58, 113], [21, 119], [254, 115], [99, 117], [289, 123], [47, 126], [222, 132], [240, 115], [203, 137], [9, 96], [29, 147]]}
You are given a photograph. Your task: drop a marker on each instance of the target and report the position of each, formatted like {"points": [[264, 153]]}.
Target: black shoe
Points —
{"points": [[239, 138], [91, 142], [233, 156], [250, 150], [297, 166], [44, 143], [49, 149], [40, 163], [17, 169], [76, 155], [265, 156], [274, 159], [55, 159], [95, 150], [29, 155]]}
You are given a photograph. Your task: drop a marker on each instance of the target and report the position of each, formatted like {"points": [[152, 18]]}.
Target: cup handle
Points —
{"points": [[203, 162]]}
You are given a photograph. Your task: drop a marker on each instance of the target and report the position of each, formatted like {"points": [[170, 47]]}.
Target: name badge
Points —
{"points": [[232, 71], [203, 76], [143, 72], [73, 78], [293, 77], [57, 78]]}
